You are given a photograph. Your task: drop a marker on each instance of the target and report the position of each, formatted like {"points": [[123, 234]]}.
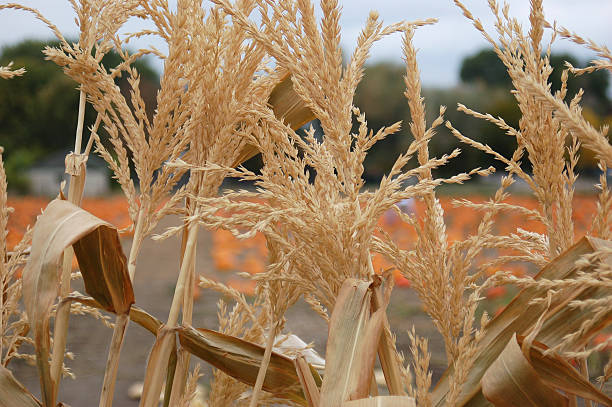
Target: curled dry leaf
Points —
{"points": [[529, 377], [102, 263], [286, 105], [519, 316], [104, 269], [558, 373], [241, 360], [511, 381]]}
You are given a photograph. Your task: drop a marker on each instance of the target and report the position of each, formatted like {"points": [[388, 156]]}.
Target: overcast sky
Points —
{"points": [[441, 47]]}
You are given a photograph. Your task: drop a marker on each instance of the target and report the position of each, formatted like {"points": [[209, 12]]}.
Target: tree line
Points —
{"points": [[38, 112]]}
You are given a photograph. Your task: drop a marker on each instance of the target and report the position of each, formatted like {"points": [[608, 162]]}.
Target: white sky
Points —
{"points": [[441, 47]]}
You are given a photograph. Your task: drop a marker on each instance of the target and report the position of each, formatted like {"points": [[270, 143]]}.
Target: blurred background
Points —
{"points": [[38, 114], [38, 111]]}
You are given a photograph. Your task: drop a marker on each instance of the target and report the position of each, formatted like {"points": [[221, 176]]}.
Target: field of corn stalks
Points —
{"points": [[240, 79]]}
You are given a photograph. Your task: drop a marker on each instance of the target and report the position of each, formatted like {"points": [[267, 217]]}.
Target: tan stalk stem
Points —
{"points": [[309, 386], [190, 248], [261, 375], [81, 120], [373, 386], [154, 375], [112, 363], [184, 357], [121, 324], [62, 316], [180, 377], [386, 347], [136, 244]]}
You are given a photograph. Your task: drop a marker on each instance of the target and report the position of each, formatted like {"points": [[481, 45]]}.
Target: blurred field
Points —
{"points": [[221, 256], [231, 255]]}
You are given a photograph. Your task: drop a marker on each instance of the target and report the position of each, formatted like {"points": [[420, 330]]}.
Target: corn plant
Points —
{"points": [[240, 79]]}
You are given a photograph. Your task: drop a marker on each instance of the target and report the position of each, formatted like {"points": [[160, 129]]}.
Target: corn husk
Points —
{"points": [[354, 335], [527, 376]]}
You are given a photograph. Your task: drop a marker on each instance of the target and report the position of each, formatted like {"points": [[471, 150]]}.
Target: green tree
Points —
{"points": [[595, 85], [381, 96], [38, 112], [484, 67]]}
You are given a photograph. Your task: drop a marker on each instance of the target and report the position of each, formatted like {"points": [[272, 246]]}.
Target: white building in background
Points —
{"points": [[46, 176]]}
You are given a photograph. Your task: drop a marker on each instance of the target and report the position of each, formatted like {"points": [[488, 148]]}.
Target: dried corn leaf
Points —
{"points": [[558, 373], [63, 224], [241, 360], [104, 269], [382, 401], [12, 393], [286, 105], [137, 314], [145, 320], [354, 334], [511, 381], [519, 316], [170, 372]]}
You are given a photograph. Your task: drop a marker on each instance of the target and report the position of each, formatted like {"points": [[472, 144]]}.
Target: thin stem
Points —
{"points": [[309, 386], [63, 312], [121, 323], [184, 357], [61, 322], [81, 119], [112, 363], [154, 375], [190, 248], [261, 375], [136, 244]]}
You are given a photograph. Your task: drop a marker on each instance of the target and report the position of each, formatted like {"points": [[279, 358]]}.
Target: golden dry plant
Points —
{"points": [[241, 78]]}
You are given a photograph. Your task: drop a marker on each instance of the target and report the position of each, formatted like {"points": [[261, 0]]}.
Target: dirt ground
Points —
{"points": [[154, 286]]}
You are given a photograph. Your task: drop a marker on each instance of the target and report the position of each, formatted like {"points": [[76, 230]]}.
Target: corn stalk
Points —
{"points": [[75, 194]]}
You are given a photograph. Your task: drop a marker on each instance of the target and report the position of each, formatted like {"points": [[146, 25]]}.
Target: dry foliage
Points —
{"points": [[240, 78]]}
